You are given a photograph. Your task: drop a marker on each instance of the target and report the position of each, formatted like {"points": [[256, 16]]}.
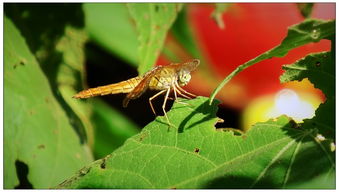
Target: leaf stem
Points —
{"points": [[240, 68]]}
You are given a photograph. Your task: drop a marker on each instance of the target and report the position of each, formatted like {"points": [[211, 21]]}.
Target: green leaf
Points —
{"points": [[308, 31], [37, 131], [324, 181], [68, 75], [182, 31], [109, 25], [305, 9], [152, 22], [217, 13], [58, 47], [194, 154], [319, 68], [111, 128]]}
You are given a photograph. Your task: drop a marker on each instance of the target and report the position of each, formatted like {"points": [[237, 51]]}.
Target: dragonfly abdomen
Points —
{"points": [[121, 87]]}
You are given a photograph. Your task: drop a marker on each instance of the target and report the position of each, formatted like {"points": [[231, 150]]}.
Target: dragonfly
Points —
{"points": [[164, 79]]}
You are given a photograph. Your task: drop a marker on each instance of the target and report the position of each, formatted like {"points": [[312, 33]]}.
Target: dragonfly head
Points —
{"points": [[184, 77]]}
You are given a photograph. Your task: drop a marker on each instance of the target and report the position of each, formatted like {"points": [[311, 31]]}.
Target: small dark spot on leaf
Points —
{"points": [[142, 136], [46, 99], [196, 150], [317, 64], [173, 188], [31, 112], [84, 171], [103, 165], [157, 27], [244, 137], [42, 146], [156, 7], [23, 61], [22, 172]]}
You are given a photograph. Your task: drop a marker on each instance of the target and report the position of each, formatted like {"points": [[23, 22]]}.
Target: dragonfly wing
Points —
{"points": [[141, 87]]}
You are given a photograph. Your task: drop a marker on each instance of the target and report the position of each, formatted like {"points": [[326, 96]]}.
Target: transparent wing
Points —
{"points": [[141, 87]]}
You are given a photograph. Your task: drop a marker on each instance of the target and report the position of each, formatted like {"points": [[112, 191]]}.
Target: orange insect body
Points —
{"points": [[163, 78], [115, 88]]}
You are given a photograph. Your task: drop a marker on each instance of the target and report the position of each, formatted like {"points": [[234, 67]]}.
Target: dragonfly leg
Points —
{"points": [[175, 90], [183, 90], [181, 94], [154, 96], [164, 105], [179, 89]]}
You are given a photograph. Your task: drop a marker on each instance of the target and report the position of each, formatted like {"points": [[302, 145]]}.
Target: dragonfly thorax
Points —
{"points": [[184, 77]]}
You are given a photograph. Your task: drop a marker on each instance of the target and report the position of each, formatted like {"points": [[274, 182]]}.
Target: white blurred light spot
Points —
{"points": [[320, 137], [288, 102], [332, 147]]}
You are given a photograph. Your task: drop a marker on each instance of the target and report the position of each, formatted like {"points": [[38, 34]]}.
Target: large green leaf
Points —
{"points": [[54, 34], [194, 154], [110, 26], [319, 69], [37, 131], [311, 30], [152, 23]]}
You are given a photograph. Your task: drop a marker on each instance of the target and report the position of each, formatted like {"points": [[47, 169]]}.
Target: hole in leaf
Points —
{"points": [[228, 117], [103, 164], [196, 150], [22, 172]]}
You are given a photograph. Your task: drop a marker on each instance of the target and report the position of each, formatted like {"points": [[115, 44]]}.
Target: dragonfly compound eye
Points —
{"points": [[184, 78]]}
